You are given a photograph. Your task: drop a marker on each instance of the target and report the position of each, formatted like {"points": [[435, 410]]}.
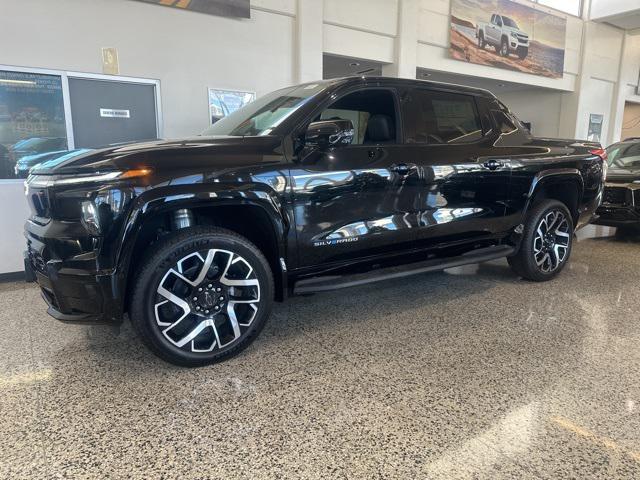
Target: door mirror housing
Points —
{"points": [[330, 133]]}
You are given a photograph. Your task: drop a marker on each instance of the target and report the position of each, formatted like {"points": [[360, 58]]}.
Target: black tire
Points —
{"points": [[481, 42], [522, 53], [504, 47], [532, 248], [187, 246]]}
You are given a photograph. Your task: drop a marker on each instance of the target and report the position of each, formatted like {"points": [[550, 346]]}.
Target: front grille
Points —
{"points": [[39, 202], [37, 262], [617, 196]]}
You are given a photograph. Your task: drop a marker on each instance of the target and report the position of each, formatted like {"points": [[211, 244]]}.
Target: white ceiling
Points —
{"points": [[629, 21]]}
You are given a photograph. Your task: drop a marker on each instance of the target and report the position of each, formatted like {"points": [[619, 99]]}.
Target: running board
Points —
{"points": [[335, 282]]}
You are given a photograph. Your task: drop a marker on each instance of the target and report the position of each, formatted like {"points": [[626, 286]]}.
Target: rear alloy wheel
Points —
{"points": [[546, 242], [551, 241], [203, 296]]}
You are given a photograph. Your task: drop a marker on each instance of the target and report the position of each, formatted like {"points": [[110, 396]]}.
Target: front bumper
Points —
{"points": [[75, 290]]}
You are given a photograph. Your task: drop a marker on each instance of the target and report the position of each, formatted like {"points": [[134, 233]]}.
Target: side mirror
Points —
{"points": [[330, 133]]}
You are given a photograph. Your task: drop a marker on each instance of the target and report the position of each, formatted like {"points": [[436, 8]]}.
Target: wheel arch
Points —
{"points": [[564, 184], [256, 217]]}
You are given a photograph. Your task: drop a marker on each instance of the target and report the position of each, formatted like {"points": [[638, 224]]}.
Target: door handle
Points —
{"points": [[401, 168], [493, 164]]}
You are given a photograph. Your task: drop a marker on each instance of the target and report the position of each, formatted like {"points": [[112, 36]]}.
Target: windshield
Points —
{"points": [[509, 23], [624, 155], [263, 115]]}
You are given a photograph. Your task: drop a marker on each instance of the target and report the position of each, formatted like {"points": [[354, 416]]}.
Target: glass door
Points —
{"points": [[32, 121]]}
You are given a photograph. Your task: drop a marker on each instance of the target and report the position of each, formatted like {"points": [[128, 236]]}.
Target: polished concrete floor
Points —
{"points": [[469, 373]]}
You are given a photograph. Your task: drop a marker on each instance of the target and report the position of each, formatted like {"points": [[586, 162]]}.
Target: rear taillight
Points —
{"points": [[602, 153]]}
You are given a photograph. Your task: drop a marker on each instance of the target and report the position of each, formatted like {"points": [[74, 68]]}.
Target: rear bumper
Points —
{"points": [[74, 289]]}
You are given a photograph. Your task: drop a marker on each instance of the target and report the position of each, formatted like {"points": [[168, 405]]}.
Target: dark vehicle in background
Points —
{"points": [[35, 146], [621, 201], [310, 188], [27, 162]]}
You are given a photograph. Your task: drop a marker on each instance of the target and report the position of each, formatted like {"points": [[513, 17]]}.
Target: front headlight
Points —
{"points": [[102, 210], [90, 219], [50, 181], [514, 34]]}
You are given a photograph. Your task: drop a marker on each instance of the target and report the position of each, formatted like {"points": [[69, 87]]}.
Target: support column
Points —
{"points": [[406, 42], [308, 42]]}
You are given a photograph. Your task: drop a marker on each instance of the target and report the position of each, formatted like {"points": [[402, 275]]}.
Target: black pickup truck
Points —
{"points": [[310, 188]]}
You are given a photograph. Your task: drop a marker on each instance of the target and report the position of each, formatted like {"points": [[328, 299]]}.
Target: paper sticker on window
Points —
{"points": [[113, 113]]}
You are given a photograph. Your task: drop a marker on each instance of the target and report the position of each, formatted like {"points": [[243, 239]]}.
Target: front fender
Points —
{"points": [[160, 200]]}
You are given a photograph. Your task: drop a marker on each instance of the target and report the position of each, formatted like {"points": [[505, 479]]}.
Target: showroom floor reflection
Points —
{"points": [[468, 373]]}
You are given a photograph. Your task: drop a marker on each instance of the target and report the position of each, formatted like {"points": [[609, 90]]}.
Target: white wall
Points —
{"points": [[605, 68], [13, 212], [360, 28], [186, 51], [540, 107]]}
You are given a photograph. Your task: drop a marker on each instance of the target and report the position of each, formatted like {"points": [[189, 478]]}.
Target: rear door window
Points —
{"points": [[436, 117]]}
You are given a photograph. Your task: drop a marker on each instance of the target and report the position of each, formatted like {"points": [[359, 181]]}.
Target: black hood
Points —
{"points": [[167, 155]]}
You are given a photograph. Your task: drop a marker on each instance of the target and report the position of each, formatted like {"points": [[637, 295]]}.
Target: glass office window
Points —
{"points": [[32, 121]]}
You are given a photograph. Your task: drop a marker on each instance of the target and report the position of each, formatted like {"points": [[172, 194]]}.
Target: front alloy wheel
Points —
{"points": [[206, 299], [202, 296]]}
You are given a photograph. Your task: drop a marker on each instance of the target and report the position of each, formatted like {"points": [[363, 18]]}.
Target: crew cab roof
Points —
{"points": [[392, 81]]}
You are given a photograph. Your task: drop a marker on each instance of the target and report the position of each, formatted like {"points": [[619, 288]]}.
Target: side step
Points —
{"points": [[335, 282]]}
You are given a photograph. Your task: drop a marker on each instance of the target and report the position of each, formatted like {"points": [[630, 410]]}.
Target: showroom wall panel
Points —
{"points": [[193, 52], [281, 6], [356, 43], [538, 106], [14, 212], [379, 16], [433, 26]]}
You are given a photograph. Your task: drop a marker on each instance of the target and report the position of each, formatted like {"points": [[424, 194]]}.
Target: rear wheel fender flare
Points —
{"points": [[544, 177]]}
